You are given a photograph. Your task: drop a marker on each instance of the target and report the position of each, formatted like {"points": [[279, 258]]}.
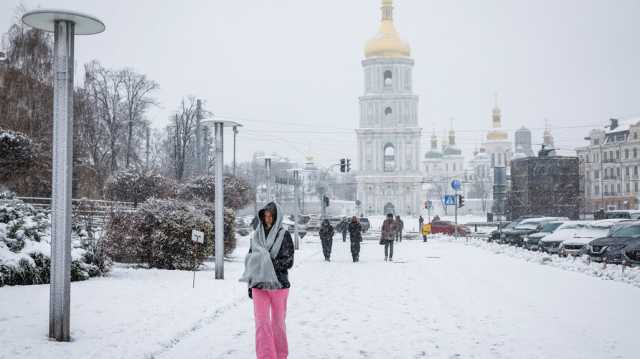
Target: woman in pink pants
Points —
{"points": [[266, 271]]}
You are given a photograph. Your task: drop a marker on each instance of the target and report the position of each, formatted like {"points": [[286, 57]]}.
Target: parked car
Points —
{"points": [[551, 243], [516, 235], [611, 248], [447, 227], [632, 253], [532, 241], [624, 214], [577, 245], [364, 222], [496, 234]]}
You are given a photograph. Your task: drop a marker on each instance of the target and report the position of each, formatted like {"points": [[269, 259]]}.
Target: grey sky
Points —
{"points": [[291, 68]]}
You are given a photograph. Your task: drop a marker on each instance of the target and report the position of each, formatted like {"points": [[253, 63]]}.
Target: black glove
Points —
{"points": [[250, 294]]}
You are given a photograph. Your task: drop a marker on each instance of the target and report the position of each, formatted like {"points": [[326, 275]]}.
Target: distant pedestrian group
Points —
{"points": [[353, 228]]}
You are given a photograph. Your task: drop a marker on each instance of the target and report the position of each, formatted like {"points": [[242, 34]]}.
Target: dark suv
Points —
{"points": [[632, 253], [516, 235], [610, 249], [532, 241]]}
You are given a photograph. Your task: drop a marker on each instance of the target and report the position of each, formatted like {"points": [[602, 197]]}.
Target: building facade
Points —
{"points": [[610, 165], [388, 174], [523, 142]]}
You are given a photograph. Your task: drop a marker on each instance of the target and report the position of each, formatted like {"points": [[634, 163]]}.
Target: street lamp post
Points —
{"points": [[65, 25], [235, 134], [219, 192]]}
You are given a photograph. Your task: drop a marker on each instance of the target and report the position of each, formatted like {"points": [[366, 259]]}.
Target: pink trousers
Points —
{"points": [[270, 312]]}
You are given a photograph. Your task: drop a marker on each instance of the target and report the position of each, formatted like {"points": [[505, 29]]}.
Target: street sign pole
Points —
{"points": [[219, 201], [296, 180], [456, 213]]}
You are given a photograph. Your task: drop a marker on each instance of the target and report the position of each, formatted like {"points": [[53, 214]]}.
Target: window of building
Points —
{"points": [[618, 172], [619, 188], [596, 189], [628, 187], [604, 156], [596, 141], [596, 174], [626, 154], [388, 78], [389, 158], [628, 172], [388, 111], [617, 154], [635, 171], [635, 135], [635, 187], [635, 153]]}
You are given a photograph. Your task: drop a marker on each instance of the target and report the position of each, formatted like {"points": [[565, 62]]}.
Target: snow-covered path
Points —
{"points": [[439, 300]]}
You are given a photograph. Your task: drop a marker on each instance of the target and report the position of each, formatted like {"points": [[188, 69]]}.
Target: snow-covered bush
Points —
{"points": [[25, 247], [135, 186], [158, 233], [237, 191]]}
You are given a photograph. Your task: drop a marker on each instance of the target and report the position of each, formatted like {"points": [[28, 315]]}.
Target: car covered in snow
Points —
{"points": [[623, 214], [632, 253], [482, 229], [568, 230], [520, 231], [449, 228], [610, 249], [577, 245], [532, 241]]}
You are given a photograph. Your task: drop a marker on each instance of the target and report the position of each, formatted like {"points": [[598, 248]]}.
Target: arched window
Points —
{"points": [[389, 158], [388, 111], [388, 78]]}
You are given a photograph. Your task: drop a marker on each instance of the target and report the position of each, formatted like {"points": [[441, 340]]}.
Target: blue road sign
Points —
{"points": [[449, 200], [455, 184]]}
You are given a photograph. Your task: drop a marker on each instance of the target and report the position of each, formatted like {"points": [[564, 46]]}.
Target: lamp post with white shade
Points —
{"points": [[65, 25]]}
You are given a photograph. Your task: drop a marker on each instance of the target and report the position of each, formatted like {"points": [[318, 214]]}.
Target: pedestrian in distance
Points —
{"points": [[267, 274], [387, 234], [355, 236], [326, 237], [425, 230], [399, 225], [420, 223], [344, 228]]}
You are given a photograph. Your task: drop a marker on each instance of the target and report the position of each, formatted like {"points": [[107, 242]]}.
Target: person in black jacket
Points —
{"points": [[355, 236], [267, 272], [326, 237]]}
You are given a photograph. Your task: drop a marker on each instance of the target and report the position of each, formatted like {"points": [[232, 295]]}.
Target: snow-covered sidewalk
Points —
{"points": [[437, 300]]}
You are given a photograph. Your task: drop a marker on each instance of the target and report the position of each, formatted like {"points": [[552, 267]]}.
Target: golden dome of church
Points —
{"points": [[497, 134], [387, 42]]}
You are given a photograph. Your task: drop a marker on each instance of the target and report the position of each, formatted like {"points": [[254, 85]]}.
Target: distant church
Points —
{"points": [[389, 175]]}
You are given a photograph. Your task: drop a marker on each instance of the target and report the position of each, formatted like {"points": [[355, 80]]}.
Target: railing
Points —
{"points": [[94, 208]]}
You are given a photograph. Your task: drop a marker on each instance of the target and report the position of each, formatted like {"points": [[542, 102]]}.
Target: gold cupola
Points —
{"points": [[387, 43], [497, 134]]}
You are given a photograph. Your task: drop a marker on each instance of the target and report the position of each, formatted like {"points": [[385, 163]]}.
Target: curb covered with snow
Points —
{"points": [[629, 275]]}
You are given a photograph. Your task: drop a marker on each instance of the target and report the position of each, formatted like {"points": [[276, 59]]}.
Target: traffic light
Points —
{"points": [[343, 165], [426, 204], [348, 165], [460, 201]]}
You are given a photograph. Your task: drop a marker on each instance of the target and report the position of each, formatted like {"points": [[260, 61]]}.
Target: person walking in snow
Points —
{"points": [[399, 227], [344, 228], [267, 274], [387, 234], [355, 236], [326, 237], [420, 223]]}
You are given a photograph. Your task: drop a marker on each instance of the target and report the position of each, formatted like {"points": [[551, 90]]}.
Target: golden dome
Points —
{"points": [[387, 43], [497, 135]]}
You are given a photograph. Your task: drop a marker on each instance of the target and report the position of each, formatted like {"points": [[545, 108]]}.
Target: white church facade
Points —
{"points": [[389, 178]]}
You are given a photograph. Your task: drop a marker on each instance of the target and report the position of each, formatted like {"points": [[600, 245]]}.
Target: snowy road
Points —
{"points": [[440, 300]]}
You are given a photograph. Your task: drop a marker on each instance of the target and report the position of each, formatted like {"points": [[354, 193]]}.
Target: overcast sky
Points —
{"points": [[290, 69]]}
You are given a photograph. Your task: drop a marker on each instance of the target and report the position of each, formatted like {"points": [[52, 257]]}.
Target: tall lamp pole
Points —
{"points": [[219, 126], [64, 25], [235, 134]]}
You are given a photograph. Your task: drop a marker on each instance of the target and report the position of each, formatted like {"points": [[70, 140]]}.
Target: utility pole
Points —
{"points": [[296, 185], [235, 133], [267, 167], [198, 151]]}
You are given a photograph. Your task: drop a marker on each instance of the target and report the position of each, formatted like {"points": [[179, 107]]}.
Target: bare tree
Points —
{"points": [[137, 93], [182, 135]]}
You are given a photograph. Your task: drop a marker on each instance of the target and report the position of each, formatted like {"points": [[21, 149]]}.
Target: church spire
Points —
{"points": [[387, 10], [497, 117], [434, 140], [452, 135]]}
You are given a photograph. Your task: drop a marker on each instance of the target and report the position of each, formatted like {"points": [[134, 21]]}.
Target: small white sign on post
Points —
{"points": [[197, 236]]}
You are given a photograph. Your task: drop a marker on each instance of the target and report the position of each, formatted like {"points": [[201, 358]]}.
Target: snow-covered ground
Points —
{"points": [[443, 299]]}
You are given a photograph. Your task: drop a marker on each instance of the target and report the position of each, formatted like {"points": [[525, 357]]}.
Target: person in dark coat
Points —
{"points": [[344, 228], [355, 236], [387, 234], [420, 223], [326, 237], [399, 227]]}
